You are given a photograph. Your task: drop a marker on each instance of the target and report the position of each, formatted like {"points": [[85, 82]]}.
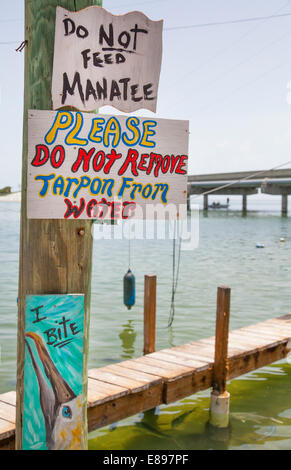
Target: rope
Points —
{"points": [[129, 244], [129, 253], [175, 276]]}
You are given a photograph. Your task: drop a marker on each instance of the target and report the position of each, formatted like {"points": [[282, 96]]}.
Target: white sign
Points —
{"points": [[102, 59], [93, 166]]}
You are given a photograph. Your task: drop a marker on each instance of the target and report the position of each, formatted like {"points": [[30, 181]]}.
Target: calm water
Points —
{"points": [[260, 281]]}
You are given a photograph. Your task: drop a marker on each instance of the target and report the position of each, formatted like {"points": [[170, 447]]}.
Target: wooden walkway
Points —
{"points": [[121, 390]]}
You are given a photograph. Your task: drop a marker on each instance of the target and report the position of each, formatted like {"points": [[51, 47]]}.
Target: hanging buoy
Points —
{"points": [[129, 289]]}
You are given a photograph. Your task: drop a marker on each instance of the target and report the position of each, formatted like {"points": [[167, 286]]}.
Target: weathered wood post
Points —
{"points": [[219, 407], [55, 255], [150, 289]]}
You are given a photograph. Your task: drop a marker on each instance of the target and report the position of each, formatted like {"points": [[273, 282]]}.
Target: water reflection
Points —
{"points": [[128, 336]]}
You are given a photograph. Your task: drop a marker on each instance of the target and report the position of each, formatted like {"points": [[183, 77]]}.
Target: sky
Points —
{"points": [[230, 81]]}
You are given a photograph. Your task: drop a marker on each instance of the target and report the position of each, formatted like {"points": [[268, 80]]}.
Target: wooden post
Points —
{"points": [[284, 204], [55, 255], [219, 409], [205, 202], [150, 288]]}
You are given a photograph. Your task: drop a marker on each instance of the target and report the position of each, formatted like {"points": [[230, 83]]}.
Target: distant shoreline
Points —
{"points": [[11, 197]]}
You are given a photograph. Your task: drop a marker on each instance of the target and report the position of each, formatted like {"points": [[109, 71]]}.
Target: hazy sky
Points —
{"points": [[230, 81]]}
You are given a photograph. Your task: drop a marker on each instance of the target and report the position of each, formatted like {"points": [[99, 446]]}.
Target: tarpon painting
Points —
{"points": [[53, 374]]}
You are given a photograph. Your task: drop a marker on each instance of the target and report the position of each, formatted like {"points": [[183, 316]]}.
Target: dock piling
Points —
{"points": [[220, 398], [150, 290]]}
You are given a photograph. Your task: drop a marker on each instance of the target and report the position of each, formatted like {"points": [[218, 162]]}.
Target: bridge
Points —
{"points": [[244, 183]]}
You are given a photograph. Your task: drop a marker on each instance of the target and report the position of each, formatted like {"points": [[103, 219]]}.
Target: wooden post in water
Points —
{"points": [[150, 292], [55, 255], [219, 408]]}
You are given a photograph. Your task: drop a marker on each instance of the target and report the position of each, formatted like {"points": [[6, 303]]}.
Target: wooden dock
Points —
{"points": [[121, 390]]}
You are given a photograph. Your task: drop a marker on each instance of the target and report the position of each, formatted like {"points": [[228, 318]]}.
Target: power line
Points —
{"points": [[202, 25], [243, 85], [229, 47], [133, 5], [222, 23], [245, 61], [9, 42], [12, 20]]}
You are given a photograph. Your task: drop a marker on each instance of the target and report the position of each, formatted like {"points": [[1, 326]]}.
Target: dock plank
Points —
{"points": [[177, 357], [265, 331], [139, 366], [168, 369], [7, 429], [99, 391], [252, 343], [137, 375], [263, 336], [198, 351], [7, 412], [105, 375], [9, 398]]}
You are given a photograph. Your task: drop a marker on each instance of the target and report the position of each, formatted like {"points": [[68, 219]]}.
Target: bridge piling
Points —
{"points": [[205, 202], [244, 204], [284, 205]]}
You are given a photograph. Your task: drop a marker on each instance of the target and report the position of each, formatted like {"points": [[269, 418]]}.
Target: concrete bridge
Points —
{"points": [[244, 183]]}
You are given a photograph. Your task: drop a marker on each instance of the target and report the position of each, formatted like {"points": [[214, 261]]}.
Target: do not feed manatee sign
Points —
{"points": [[102, 59], [85, 166]]}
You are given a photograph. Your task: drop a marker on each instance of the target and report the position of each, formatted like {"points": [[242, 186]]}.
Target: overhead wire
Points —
{"points": [[244, 85], [133, 5], [2, 43], [226, 49], [222, 23], [197, 25]]}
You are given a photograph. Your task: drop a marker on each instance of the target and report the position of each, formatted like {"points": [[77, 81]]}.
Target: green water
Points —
{"points": [[260, 419], [260, 281]]}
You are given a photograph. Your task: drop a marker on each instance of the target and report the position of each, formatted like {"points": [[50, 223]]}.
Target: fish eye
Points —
{"points": [[67, 412]]}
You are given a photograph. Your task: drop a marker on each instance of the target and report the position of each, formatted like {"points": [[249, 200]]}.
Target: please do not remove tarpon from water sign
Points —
{"points": [[102, 59], [86, 166]]}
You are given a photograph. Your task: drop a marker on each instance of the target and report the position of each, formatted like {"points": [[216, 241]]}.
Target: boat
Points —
{"points": [[217, 205]]}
